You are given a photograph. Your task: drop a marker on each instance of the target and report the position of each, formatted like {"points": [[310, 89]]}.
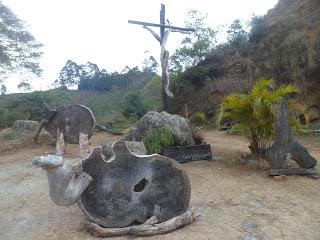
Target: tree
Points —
{"points": [[133, 106], [19, 51], [4, 113], [236, 34], [24, 86], [3, 89], [258, 29], [150, 65], [255, 112], [69, 75], [195, 47]]}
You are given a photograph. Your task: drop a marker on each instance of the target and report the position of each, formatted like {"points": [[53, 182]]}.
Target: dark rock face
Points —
{"points": [[71, 120], [179, 126], [23, 127], [129, 189]]}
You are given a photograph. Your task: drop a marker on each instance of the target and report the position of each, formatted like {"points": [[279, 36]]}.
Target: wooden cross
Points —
{"points": [[165, 29]]}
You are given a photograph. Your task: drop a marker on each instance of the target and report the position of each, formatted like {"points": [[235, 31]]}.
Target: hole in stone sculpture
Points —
{"points": [[140, 185]]}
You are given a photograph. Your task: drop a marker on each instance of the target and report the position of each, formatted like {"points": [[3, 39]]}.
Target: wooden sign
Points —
{"points": [[191, 153]]}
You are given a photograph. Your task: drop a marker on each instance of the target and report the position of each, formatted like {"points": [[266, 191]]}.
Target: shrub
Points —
{"points": [[133, 106], [9, 135], [256, 112], [157, 138], [30, 106], [4, 114], [235, 130], [201, 118]]}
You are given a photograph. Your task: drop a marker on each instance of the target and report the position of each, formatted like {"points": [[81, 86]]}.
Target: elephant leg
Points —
{"points": [[60, 144], [84, 145]]}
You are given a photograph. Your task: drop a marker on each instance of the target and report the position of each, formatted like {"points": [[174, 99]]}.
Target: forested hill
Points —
{"points": [[117, 108], [283, 45], [89, 77]]}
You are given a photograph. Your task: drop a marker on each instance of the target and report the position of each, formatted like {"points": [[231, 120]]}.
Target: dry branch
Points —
{"points": [[149, 228], [105, 129], [292, 171]]}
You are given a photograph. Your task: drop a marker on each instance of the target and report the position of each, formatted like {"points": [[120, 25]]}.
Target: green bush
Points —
{"points": [[201, 118], [4, 114], [235, 130], [156, 139], [9, 135], [133, 106], [256, 112], [30, 106]]}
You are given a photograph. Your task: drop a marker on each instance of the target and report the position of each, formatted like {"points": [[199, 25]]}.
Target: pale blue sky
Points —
{"points": [[97, 30]]}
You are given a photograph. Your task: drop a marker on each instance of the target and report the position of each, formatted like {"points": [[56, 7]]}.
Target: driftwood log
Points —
{"points": [[108, 130], [129, 189], [285, 145], [148, 228], [292, 171]]}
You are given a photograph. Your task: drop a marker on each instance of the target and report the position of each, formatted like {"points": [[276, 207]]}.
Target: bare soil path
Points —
{"points": [[235, 199]]}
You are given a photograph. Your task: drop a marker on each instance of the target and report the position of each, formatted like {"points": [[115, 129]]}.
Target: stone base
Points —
{"points": [[189, 153]]}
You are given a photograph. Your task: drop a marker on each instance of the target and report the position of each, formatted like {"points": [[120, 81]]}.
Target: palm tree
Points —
{"points": [[256, 111]]}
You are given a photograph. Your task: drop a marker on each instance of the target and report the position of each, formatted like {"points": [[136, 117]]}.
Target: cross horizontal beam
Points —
{"points": [[161, 26]]}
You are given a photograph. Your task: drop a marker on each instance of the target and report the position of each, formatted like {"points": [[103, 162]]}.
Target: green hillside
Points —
{"points": [[107, 106]]}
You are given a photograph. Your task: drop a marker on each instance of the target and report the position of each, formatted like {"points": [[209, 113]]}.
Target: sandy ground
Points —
{"points": [[235, 199]]}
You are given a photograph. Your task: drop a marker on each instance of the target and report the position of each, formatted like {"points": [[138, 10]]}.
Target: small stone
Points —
{"points": [[280, 178], [24, 127]]}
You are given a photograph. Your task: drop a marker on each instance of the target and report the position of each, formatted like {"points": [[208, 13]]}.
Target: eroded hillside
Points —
{"points": [[283, 45]]}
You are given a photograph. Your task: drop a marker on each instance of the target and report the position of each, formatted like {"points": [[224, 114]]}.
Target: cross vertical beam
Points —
{"points": [[162, 22], [164, 58]]}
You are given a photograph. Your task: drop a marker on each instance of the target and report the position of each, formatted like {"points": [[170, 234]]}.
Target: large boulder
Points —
{"points": [[24, 127], [179, 126]]}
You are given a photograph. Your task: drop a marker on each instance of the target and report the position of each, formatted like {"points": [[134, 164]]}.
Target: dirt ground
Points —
{"points": [[235, 199]]}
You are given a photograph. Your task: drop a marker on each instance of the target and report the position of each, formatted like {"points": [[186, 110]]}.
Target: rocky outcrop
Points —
{"points": [[179, 126], [24, 127]]}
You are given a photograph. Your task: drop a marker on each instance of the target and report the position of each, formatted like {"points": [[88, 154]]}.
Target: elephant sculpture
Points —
{"points": [[69, 124]]}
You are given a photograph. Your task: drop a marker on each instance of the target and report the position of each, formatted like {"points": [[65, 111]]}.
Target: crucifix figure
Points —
{"points": [[164, 54]]}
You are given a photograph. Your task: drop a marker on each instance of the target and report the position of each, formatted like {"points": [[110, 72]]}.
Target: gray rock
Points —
{"points": [[179, 126], [24, 127], [314, 113], [136, 148]]}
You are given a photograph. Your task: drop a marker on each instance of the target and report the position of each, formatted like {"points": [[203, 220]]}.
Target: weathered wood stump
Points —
{"points": [[129, 189], [285, 145]]}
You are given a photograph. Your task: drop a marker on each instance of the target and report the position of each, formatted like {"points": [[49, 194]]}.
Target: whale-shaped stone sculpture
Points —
{"points": [[122, 191]]}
